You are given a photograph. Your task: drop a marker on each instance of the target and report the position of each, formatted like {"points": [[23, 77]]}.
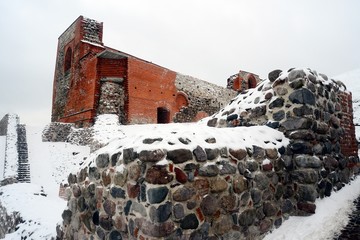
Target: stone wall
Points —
{"points": [[168, 185], [203, 98], [187, 191], [8, 222], [57, 132], [315, 113]]}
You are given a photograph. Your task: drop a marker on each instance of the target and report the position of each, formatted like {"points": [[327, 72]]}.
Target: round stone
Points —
{"points": [[109, 207], [269, 209], [180, 176], [66, 216], [279, 102], [115, 235], [116, 192], [209, 170], [212, 153], [229, 202], [189, 222], [76, 190], [247, 217], [262, 181], [180, 155], [158, 175], [273, 75], [226, 168], [238, 154], [200, 154], [281, 91], [157, 195], [102, 160], [218, 185], [94, 173], [183, 194], [106, 178], [134, 172], [178, 211], [120, 177], [106, 222], [223, 224], [239, 184], [151, 156], [209, 205], [96, 218], [256, 195], [162, 213]]}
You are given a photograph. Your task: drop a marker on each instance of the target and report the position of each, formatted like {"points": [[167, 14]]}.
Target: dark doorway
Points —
{"points": [[163, 115]]}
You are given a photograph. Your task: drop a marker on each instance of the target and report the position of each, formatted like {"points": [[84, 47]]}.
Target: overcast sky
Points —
{"points": [[207, 39]]}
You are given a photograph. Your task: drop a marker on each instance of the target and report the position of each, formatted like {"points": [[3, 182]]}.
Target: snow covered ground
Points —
{"points": [[332, 214], [51, 162], [38, 201]]}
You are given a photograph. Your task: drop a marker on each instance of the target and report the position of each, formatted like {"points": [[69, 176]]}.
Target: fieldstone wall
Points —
{"points": [[192, 192], [57, 132], [8, 222], [214, 191], [112, 99], [313, 112], [203, 97]]}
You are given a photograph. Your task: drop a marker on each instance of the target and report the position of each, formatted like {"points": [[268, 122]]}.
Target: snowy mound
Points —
{"points": [[190, 135], [253, 103]]}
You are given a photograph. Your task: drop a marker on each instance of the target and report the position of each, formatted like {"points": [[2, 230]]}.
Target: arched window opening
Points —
{"points": [[163, 115], [68, 58], [252, 81], [181, 100], [236, 84]]}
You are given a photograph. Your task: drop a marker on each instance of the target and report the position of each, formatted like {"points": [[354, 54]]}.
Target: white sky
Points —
{"points": [[208, 39]]}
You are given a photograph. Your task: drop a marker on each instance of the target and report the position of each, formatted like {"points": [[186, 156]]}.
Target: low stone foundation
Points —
{"points": [[193, 191]]}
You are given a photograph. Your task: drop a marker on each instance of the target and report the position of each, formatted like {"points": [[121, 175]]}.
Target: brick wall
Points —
{"points": [[348, 141], [145, 92], [149, 87], [74, 89]]}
